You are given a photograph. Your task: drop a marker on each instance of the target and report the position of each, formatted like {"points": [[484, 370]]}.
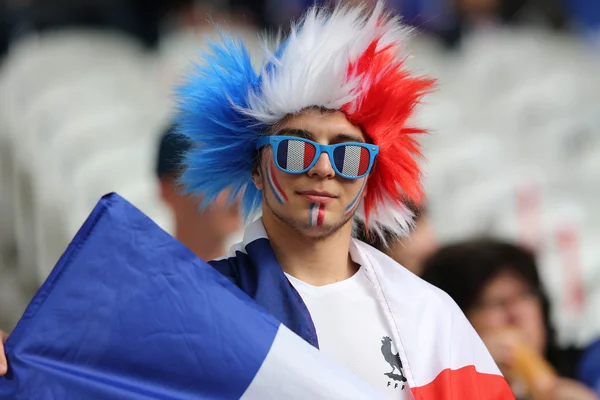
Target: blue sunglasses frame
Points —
{"points": [[320, 149]]}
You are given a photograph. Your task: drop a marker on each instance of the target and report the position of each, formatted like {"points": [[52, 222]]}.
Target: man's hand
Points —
{"points": [[3, 363]]}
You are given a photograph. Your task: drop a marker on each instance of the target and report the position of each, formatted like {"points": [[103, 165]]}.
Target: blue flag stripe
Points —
{"points": [[139, 316]]}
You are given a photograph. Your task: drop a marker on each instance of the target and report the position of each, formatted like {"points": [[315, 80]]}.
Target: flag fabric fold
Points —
{"points": [[130, 313], [442, 357]]}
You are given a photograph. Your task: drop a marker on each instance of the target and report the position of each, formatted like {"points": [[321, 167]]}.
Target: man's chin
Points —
{"points": [[300, 222], [317, 231], [320, 232]]}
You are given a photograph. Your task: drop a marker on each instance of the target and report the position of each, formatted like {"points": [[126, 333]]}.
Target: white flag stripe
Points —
{"points": [[420, 301], [294, 370], [295, 156], [351, 160]]}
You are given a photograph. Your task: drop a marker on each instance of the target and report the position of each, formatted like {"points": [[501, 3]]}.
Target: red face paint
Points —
{"points": [[274, 184], [316, 214]]}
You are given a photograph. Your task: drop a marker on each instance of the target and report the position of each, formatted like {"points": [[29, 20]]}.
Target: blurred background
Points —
{"points": [[514, 151]]}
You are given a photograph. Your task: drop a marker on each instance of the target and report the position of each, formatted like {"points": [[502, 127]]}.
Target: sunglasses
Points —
{"points": [[294, 155]]}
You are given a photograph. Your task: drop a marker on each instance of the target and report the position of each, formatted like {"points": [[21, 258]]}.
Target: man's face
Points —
{"points": [[319, 202]]}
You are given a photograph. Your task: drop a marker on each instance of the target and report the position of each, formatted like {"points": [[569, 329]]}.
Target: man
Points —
{"points": [[206, 232], [588, 370], [318, 139]]}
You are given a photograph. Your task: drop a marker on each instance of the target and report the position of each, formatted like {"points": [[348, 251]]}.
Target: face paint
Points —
{"points": [[354, 203], [316, 214], [274, 185]]}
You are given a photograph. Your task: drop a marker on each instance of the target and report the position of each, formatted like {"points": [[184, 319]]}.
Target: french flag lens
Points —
{"points": [[295, 155], [352, 160]]}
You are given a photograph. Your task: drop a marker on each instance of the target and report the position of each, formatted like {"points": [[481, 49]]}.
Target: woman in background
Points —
{"points": [[497, 286]]}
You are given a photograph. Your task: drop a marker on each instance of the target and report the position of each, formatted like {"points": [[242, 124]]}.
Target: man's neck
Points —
{"points": [[316, 262]]}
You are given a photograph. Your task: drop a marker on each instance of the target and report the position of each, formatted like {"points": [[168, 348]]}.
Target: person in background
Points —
{"points": [[588, 370], [206, 232], [4, 30], [453, 20], [410, 251], [497, 286]]}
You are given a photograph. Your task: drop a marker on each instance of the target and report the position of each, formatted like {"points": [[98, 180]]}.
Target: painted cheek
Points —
{"points": [[273, 183], [350, 208]]}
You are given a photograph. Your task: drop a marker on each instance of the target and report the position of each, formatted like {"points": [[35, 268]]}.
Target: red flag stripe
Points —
{"points": [[465, 384]]}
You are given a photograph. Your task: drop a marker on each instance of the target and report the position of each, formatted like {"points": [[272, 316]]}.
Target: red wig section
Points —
{"points": [[388, 95]]}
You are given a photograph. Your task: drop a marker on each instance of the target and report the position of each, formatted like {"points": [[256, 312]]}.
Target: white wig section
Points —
{"points": [[310, 69], [388, 217]]}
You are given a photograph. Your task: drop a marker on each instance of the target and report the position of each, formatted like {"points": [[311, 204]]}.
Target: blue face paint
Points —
{"points": [[354, 203]]}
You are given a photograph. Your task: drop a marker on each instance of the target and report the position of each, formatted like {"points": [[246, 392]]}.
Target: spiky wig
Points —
{"points": [[344, 59]]}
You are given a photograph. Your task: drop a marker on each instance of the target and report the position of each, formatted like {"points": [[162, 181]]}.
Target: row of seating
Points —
{"points": [[513, 151]]}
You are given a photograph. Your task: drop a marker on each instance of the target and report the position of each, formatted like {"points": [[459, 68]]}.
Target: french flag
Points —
{"points": [[130, 313], [352, 160], [295, 155]]}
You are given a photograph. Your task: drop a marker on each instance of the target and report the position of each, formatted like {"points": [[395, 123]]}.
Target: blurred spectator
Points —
{"points": [[207, 232], [409, 251], [497, 286], [4, 31], [9, 21], [549, 12], [427, 15], [468, 15], [589, 368], [586, 13], [138, 18], [450, 20], [193, 14]]}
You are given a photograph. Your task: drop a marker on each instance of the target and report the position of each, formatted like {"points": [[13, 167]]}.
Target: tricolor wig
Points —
{"points": [[345, 59]]}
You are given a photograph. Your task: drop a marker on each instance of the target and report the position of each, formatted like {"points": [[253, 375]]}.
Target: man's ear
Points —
{"points": [[168, 189], [257, 176]]}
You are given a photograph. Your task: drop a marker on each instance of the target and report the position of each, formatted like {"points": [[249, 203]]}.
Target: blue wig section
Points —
{"points": [[224, 138]]}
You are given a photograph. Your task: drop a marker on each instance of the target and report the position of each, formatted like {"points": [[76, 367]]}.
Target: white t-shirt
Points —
{"points": [[352, 330]]}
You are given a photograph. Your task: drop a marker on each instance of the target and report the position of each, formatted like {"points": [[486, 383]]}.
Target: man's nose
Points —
{"points": [[322, 168]]}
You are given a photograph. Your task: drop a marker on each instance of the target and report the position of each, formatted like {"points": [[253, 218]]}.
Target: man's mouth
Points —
{"points": [[316, 196]]}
